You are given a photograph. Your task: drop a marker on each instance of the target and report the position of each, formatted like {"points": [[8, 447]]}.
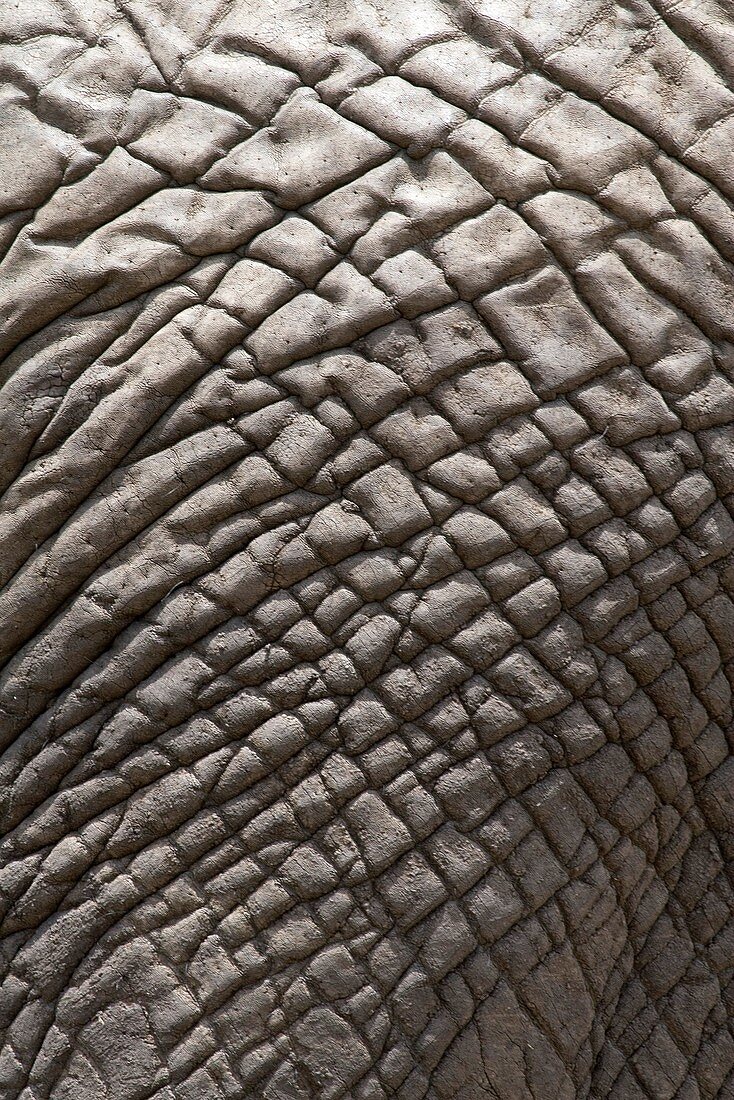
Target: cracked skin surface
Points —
{"points": [[367, 459]]}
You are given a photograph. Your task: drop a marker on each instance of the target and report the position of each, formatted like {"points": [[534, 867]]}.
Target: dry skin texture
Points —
{"points": [[367, 457]]}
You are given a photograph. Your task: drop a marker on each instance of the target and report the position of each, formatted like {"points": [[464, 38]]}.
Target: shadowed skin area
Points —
{"points": [[367, 458]]}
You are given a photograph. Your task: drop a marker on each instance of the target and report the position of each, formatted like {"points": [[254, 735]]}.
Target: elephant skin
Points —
{"points": [[368, 553]]}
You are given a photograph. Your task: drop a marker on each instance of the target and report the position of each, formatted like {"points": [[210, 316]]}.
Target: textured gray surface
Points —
{"points": [[367, 454]]}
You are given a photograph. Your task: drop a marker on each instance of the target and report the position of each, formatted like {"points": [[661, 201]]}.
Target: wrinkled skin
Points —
{"points": [[367, 454]]}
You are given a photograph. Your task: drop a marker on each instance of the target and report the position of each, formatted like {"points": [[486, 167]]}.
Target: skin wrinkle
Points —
{"points": [[401, 766], [179, 502]]}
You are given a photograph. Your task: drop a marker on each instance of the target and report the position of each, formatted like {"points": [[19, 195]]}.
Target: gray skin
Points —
{"points": [[367, 458]]}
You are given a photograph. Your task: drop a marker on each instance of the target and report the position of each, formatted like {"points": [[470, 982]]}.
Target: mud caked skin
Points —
{"points": [[367, 453]]}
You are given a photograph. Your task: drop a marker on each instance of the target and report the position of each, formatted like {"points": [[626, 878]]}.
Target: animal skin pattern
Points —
{"points": [[367, 460]]}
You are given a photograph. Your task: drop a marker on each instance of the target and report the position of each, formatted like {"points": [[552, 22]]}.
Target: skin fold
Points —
{"points": [[367, 460]]}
